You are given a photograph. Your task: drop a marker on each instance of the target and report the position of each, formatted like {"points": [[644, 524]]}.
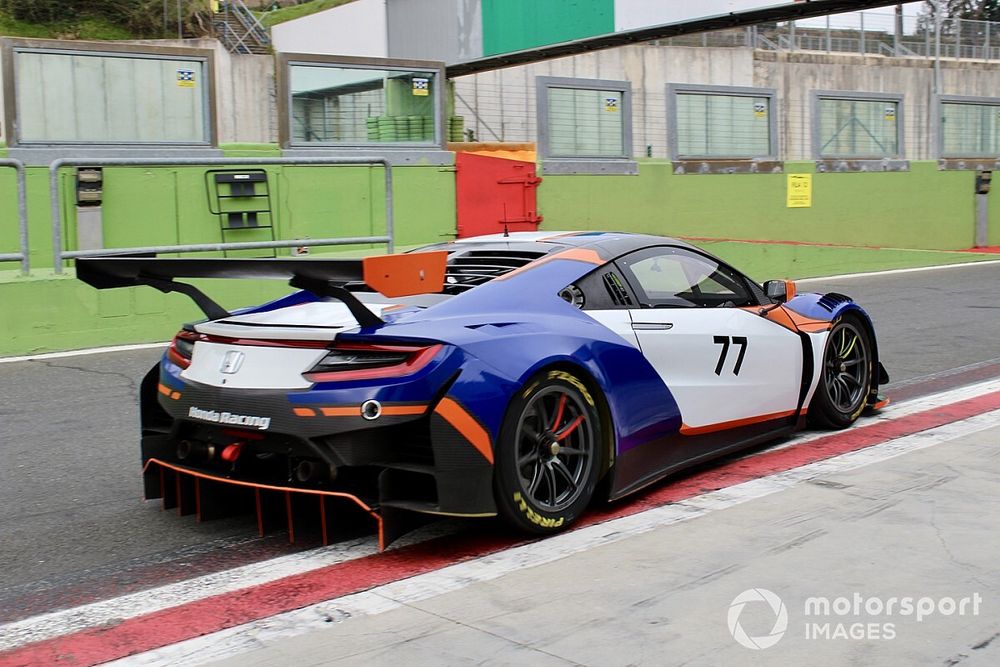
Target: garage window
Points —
{"points": [[583, 121], [968, 126], [83, 97], [857, 125], [721, 122], [333, 104]]}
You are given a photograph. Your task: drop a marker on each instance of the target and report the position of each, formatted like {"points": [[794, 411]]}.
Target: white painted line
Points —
{"points": [[893, 272], [58, 623], [256, 635], [83, 353], [895, 411]]}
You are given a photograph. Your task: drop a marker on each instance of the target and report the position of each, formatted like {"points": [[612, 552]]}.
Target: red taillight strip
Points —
{"points": [[176, 357], [421, 357], [263, 342]]}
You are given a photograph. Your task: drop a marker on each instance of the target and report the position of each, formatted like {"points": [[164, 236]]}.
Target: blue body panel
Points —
{"points": [[809, 304], [510, 329]]}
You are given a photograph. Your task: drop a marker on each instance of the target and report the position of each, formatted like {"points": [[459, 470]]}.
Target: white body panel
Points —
{"points": [[686, 356], [258, 368], [618, 321], [818, 341]]}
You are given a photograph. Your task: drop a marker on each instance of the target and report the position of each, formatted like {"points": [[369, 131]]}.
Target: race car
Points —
{"points": [[521, 375]]}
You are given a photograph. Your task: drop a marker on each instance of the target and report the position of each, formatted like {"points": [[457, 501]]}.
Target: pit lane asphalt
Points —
{"points": [[71, 517]]}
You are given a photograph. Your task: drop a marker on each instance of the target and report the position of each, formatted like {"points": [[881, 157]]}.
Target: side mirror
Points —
{"points": [[780, 291]]}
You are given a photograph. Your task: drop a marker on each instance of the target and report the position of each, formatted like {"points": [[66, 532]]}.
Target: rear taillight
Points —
{"points": [[182, 347], [358, 361]]}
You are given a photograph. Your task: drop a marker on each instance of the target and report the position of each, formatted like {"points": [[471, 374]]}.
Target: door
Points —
{"points": [[493, 194], [699, 327]]}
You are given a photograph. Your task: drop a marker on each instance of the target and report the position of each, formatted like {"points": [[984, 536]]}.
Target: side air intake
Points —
{"points": [[617, 292]]}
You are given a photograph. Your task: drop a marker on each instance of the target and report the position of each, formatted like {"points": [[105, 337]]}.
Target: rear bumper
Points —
{"points": [[413, 458]]}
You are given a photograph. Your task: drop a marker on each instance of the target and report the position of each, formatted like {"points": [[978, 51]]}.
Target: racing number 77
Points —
{"points": [[724, 342]]}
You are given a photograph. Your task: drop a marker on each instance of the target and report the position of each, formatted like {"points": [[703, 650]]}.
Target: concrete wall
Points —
{"points": [[355, 29], [246, 98], [500, 105]]}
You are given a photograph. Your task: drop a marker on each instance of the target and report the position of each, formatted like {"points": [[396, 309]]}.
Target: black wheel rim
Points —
{"points": [[555, 448], [846, 368]]}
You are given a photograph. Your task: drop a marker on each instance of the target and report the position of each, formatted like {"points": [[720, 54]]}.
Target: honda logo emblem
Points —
{"points": [[231, 362]]}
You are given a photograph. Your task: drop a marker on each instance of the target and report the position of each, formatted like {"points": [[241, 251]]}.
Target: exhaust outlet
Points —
{"points": [[311, 470], [188, 450]]}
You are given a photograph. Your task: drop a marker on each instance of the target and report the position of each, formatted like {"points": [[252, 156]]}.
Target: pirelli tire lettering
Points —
{"points": [[549, 456], [534, 517]]}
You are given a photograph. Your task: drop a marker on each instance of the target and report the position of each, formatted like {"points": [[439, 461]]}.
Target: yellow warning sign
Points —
{"points": [[611, 104], [800, 190], [421, 87]]}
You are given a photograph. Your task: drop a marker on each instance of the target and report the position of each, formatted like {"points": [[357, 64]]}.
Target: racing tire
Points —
{"points": [[845, 375], [548, 458]]}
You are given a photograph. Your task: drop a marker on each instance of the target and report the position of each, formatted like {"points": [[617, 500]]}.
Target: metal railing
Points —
{"points": [[233, 42], [60, 254], [253, 30], [22, 217], [861, 33]]}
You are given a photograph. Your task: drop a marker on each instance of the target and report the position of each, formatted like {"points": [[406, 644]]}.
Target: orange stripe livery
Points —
{"points": [[464, 423], [736, 423]]}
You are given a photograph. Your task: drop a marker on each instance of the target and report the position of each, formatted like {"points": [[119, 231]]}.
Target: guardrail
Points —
{"points": [[59, 254], [22, 217]]}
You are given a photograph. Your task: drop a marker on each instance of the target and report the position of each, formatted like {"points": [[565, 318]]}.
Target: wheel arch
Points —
{"points": [[852, 308], [589, 379]]}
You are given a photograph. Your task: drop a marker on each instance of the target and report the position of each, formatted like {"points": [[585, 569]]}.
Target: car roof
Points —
{"points": [[608, 244]]}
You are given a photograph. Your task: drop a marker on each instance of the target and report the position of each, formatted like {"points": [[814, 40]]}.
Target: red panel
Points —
{"points": [[491, 191]]}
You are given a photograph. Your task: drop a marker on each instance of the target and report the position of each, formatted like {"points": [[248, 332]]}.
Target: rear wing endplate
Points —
{"points": [[391, 275]]}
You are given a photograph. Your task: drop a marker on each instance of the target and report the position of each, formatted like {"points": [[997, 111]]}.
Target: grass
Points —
{"points": [[297, 11], [84, 28]]}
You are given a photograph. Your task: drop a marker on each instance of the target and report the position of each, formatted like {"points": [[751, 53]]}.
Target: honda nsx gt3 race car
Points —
{"points": [[519, 375]]}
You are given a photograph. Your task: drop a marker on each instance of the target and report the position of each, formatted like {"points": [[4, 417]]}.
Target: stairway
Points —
{"points": [[239, 30]]}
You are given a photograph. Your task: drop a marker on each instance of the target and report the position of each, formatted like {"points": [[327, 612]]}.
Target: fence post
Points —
{"points": [[22, 216], [864, 50]]}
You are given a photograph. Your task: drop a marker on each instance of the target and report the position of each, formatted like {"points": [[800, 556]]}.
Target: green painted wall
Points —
{"points": [[169, 206], [922, 208], [512, 25]]}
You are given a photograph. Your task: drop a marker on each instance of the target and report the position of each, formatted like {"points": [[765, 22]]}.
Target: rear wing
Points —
{"points": [[390, 275]]}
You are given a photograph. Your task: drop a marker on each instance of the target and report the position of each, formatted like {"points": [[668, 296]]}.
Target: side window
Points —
{"points": [[675, 277]]}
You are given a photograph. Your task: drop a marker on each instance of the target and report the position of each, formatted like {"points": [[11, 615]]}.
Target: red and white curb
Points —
{"points": [[241, 609]]}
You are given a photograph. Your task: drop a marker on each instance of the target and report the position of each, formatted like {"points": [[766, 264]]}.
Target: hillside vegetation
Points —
{"points": [[102, 19], [298, 11]]}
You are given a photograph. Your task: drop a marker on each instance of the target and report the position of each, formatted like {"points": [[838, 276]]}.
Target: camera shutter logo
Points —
{"points": [[780, 618]]}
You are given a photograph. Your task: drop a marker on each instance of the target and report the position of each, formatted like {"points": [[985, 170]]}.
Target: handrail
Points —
{"points": [[230, 39], [22, 216], [59, 254], [249, 21]]}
